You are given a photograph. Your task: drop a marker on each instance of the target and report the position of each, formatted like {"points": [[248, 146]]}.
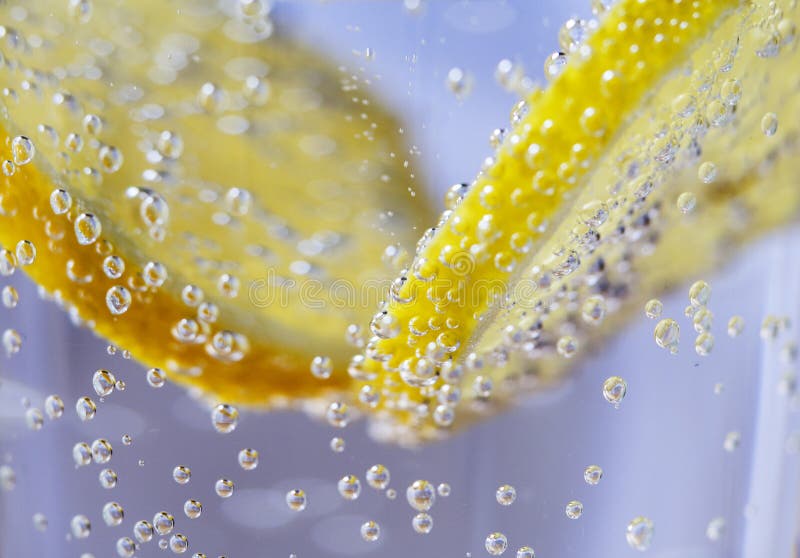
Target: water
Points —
{"points": [[728, 452]]}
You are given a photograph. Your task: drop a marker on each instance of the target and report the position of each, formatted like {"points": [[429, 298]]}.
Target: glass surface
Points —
{"points": [[695, 440]]}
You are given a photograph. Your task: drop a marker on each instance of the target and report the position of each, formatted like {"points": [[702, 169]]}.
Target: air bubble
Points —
{"points": [[378, 477], [22, 150], [87, 228], [370, 531], [769, 124], [26, 252], [349, 487], [574, 509], [113, 514], [181, 474], [614, 390], [653, 308], [639, 533], [592, 474], [422, 523], [667, 334], [85, 408], [296, 499], [225, 418], [248, 459], [496, 544], [224, 488], [156, 377], [506, 495], [118, 300]]}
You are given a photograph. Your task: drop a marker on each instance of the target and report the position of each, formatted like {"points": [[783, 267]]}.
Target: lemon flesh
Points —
{"points": [[259, 175], [578, 213]]}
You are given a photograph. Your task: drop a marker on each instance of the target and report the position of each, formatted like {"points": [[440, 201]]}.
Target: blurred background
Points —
{"points": [[662, 451]]}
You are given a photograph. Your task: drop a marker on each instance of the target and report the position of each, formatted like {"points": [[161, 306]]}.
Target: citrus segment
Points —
{"points": [[234, 180]]}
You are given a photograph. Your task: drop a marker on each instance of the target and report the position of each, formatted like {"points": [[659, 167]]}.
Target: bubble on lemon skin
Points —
{"points": [[296, 499], [113, 267], [163, 523], [192, 509], [378, 477], [574, 509], [103, 382], [554, 65], [735, 326], [686, 202], [732, 441], [8, 167], [113, 514], [337, 444], [459, 82], [614, 390], [422, 523], [22, 150], [496, 543], [118, 300], [506, 495], [639, 533], [80, 526], [248, 459], [85, 408], [181, 474], [107, 478], [667, 334], [225, 418], [60, 201], [54, 407], [80, 10], [321, 367], [224, 488], [769, 124], [421, 495], [593, 310], [238, 201], [26, 252], [155, 274], [87, 228], [12, 341], [567, 346], [10, 297]]}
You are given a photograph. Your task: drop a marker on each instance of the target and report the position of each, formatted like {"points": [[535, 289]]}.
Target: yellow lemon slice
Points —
{"points": [[663, 139], [194, 185]]}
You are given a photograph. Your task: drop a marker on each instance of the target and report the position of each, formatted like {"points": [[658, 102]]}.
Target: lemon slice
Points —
{"points": [[653, 150], [196, 186]]}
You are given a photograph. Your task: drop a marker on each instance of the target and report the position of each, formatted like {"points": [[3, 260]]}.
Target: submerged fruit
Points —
{"points": [[243, 188], [578, 202]]}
